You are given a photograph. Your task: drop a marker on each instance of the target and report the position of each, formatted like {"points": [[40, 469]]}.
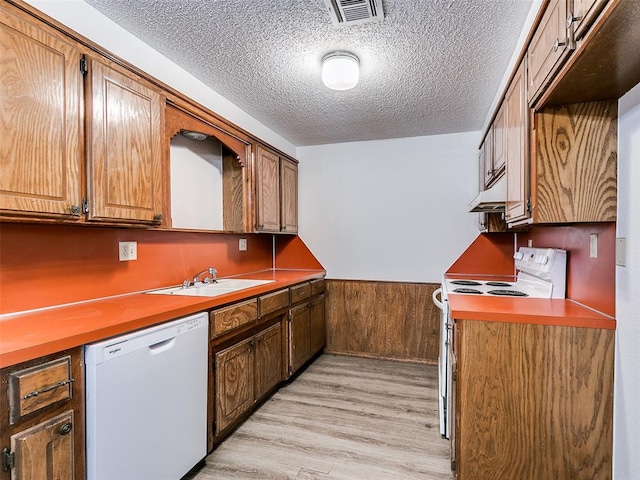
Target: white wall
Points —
{"points": [[89, 22], [626, 429], [389, 209]]}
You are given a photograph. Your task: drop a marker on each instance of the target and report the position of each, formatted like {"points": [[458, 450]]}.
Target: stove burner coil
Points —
{"points": [[508, 293], [472, 291], [498, 284], [469, 283]]}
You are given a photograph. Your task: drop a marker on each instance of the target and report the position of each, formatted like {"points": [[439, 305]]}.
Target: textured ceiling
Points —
{"points": [[431, 67]]}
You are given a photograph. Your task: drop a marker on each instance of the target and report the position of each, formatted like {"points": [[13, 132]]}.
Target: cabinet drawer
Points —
{"points": [[233, 317], [317, 286], [273, 301], [38, 387], [300, 292]]}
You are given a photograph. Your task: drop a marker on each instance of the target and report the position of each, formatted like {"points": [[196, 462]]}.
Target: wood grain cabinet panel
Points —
{"points": [[317, 325], [300, 292], [299, 336], [272, 302], [548, 48], [40, 119], [576, 163], [267, 191], [38, 387], [584, 13], [125, 147], [288, 196], [45, 450], [237, 315], [234, 379], [42, 418], [517, 148], [276, 180], [533, 401], [268, 360]]}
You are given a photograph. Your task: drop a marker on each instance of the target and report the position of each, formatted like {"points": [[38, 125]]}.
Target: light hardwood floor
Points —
{"points": [[343, 418]]}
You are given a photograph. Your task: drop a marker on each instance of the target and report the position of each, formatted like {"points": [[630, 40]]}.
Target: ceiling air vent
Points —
{"points": [[353, 12]]}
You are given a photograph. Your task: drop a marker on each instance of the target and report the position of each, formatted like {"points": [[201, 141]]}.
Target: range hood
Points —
{"points": [[490, 200]]}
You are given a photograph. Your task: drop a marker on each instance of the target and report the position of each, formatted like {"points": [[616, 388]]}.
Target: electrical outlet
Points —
{"points": [[242, 245], [593, 245], [128, 251]]}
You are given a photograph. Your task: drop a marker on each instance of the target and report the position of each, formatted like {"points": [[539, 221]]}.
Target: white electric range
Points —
{"points": [[541, 273]]}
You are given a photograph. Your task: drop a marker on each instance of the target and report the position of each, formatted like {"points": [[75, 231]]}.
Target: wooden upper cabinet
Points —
{"points": [[288, 196], [498, 157], [276, 192], [548, 48], [40, 119], [516, 148], [124, 147], [267, 191], [584, 13]]}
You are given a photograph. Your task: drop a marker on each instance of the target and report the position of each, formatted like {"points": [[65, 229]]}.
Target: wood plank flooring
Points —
{"points": [[343, 418]]}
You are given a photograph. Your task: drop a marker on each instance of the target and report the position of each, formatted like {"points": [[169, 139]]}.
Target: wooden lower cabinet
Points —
{"points": [[317, 327], [245, 373], [299, 336], [306, 332], [42, 418], [268, 360], [234, 375], [45, 450], [532, 401]]}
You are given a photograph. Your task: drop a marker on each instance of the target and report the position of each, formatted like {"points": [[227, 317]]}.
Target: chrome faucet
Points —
{"points": [[211, 279]]}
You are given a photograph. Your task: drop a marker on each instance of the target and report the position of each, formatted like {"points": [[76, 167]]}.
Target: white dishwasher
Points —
{"points": [[146, 402]]}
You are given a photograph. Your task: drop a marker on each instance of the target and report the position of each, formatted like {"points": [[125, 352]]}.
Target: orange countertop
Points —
{"points": [[28, 335], [540, 311]]}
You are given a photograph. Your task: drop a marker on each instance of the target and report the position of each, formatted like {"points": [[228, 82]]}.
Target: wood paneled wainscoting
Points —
{"points": [[389, 320]]}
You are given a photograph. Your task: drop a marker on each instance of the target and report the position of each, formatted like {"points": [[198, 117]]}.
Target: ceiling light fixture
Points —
{"points": [[340, 70]]}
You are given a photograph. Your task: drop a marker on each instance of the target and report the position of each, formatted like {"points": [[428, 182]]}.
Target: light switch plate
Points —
{"points": [[242, 245], [593, 245], [621, 251]]}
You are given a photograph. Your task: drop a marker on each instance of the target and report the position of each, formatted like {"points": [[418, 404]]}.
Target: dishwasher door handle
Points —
{"points": [[162, 346]]}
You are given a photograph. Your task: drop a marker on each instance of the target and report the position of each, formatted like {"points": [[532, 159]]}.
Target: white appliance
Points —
{"points": [[542, 273], [146, 402]]}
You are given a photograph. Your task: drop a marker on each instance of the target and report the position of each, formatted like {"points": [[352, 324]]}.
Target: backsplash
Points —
{"points": [[590, 281], [44, 265]]}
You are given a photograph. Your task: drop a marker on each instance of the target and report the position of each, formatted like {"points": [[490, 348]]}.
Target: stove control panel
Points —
{"points": [[538, 261]]}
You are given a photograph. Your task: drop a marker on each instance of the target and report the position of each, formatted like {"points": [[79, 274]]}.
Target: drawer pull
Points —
{"points": [[65, 429], [47, 389]]}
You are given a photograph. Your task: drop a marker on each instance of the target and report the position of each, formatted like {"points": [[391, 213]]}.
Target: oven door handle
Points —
{"points": [[437, 302]]}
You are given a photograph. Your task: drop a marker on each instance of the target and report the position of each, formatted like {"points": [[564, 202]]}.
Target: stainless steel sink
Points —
{"points": [[221, 287]]}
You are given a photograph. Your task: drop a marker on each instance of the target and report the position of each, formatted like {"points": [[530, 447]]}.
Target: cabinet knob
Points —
{"points": [[75, 210], [65, 429], [157, 218], [571, 19], [261, 226], [284, 227], [558, 44], [252, 343]]}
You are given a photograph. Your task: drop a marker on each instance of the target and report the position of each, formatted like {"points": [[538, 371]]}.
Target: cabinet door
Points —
{"points": [[268, 345], [289, 196], [317, 325], [124, 148], [299, 333], [499, 128], [516, 152], [234, 376], [585, 12], [40, 120], [45, 450], [267, 191], [548, 47]]}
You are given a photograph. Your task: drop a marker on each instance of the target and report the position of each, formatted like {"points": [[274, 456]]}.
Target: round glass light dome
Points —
{"points": [[340, 70]]}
